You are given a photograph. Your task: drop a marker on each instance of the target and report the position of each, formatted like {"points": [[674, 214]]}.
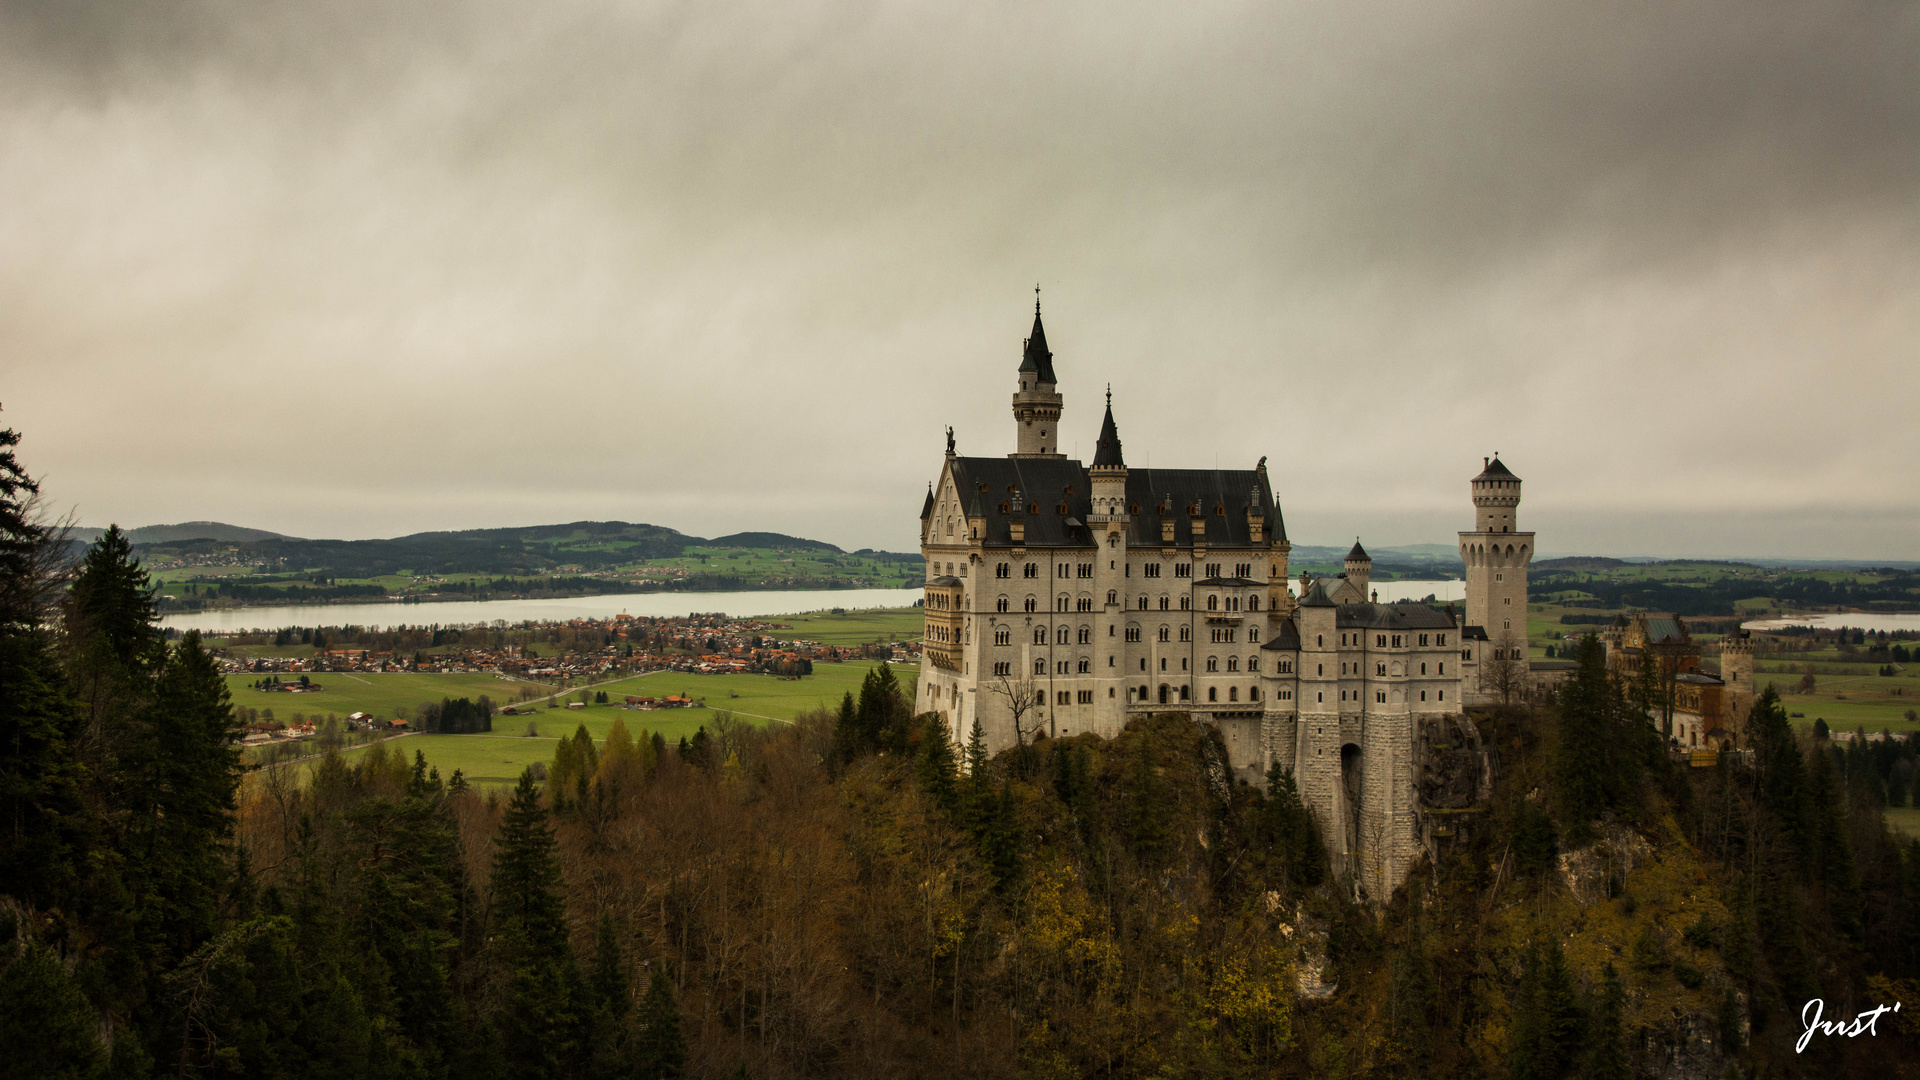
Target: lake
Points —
{"points": [[1856, 620], [472, 612], [660, 604]]}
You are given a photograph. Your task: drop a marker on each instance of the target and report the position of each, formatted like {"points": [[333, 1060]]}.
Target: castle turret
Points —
{"points": [[1036, 407], [1496, 555], [1359, 566]]}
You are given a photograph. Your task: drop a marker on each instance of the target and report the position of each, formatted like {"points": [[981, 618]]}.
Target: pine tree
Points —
{"points": [[111, 604], [661, 1050], [539, 1015], [47, 1026], [1587, 764], [1545, 1030], [847, 741], [1607, 1040], [935, 766]]}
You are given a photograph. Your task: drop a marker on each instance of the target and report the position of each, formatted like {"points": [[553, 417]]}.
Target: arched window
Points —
{"points": [[1143, 602], [1040, 667], [1233, 693], [1213, 663], [1000, 604], [1086, 635], [1113, 598], [1166, 634], [1086, 665], [1032, 604], [1233, 663], [1253, 603], [1186, 602], [1213, 693], [1185, 692], [1039, 635], [1163, 601], [1186, 633], [1213, 603], [1063, 636], [1060, 604]]}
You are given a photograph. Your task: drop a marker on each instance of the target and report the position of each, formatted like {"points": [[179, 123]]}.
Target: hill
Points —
{"points": [[770, 540], [186, 530]]}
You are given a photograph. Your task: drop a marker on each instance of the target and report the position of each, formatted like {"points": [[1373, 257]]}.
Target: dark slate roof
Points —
{"points": [[1036, 358], [1285, 639], [1358, 554], [1404, 616], [1551, 665], [974, 508], [1474, 633], [926, 509], [1106, 452], [1220, 495], [945, 579], [1697, 679], [1661, 630], [1495, 471], [1231, 583], [1317, 595]]}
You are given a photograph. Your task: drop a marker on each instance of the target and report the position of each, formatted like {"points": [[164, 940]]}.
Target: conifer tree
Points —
{"points": [[935, 766], [1607, 1046], [847, 741], [539, 1016], [1144, 803], [1544, 1036], [661, 1050]]}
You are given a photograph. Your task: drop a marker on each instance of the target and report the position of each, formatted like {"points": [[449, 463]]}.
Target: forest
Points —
{"points": [[862, 895]]}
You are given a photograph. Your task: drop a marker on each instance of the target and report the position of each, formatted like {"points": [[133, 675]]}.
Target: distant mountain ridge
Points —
{"points": [[186, 530], [530, 549]]}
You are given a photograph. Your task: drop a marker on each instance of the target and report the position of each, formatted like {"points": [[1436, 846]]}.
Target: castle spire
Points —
{"points": [[1106, 454], [1037, 358]]}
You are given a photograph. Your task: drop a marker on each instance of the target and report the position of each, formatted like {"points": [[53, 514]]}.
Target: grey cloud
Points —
{"points": [[366, 268]]}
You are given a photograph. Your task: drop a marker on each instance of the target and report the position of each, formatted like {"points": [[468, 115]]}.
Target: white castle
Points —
{"points": [[1064, 598]]}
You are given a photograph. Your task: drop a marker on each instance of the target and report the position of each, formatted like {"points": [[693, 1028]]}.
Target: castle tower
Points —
{"points": [[1036, 407], [1496, 555], [1107, 518], [1736, 673], [1359, 567]]}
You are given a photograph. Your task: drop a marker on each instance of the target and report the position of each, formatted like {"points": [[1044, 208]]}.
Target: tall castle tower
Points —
{"points": [[1496, 555], [1036, 406]]}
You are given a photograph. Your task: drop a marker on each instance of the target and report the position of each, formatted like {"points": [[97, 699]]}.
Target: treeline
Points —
{"points": [[1895, 589]]}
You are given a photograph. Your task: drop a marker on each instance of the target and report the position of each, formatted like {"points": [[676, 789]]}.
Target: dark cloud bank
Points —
{"points": [[360, 269]]}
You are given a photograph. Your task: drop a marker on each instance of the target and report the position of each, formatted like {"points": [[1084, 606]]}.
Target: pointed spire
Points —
{"points": [[1037, 358], [926, 510], [1106, 454], [1358, 554]]}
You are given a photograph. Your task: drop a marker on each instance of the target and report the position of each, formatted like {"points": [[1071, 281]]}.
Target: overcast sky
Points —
{"points": [[359, 268]]}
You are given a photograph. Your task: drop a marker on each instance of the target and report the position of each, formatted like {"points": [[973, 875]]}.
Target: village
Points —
{"points": [[559, 651]]}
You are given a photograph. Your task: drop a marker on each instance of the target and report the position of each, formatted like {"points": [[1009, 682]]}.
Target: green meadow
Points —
{"points": [[499, 757], [380, 694]]}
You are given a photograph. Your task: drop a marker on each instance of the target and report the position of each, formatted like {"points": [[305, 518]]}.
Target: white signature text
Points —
{"points": [[1859, 1025]]}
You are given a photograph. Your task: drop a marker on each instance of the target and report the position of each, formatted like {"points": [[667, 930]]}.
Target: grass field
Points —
{"points": [[499, 757], [379, 694], [854, 627]]}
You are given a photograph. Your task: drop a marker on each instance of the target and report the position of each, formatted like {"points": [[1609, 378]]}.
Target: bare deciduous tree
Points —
{"points": [[1503, 668], [1022, 695]]}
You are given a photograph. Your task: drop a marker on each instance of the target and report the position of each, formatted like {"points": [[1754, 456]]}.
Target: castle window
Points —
{"points": [[1380, 696], [1440, 640], [1133, 633], [1379, 669], [1213, 663], [1213, 693], [1003, 637], [1186, 602], [1253, 603], [1163, 602], [1253, 663], [1039, 635], [1186, 633], [1143, 602], [1396, 641], [1064, 697], [1086, 635], [1233, 693], [1151, 569], [1233, 663], [1253, 634], [1286, 667], [1423, 669], [1442, 671], [1033, 604], [1000, 604], [1039, 667], [1443, 695], [1182, 570], [1423, 640], [1319, 641], [1113, 598], [1001, 570], [1064, 635], [1423, 695], [1084, 570], [1213, 569], [1085, 603], [1164, 634], [1061, 603], [1063, 667], [1219, 509], [1213, 603], [1380, 641], [1039, 696], [1030, 570]]}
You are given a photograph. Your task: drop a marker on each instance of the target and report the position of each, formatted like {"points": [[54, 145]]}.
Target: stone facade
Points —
{"points": [[1064, 598]]}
